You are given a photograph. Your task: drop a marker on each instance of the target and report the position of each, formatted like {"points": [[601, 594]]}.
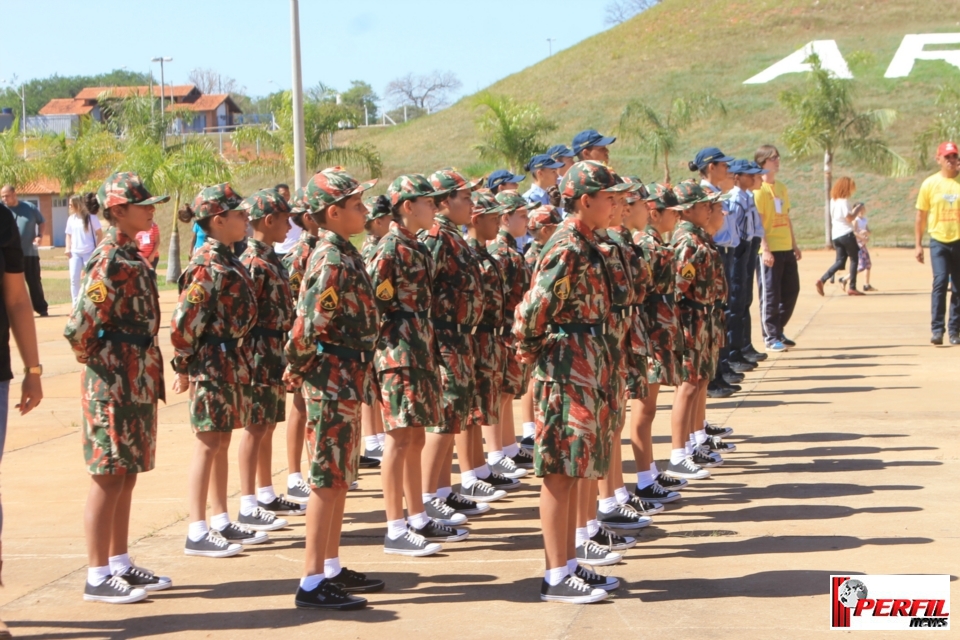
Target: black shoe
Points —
{"points": [[733, 387], [613, 541], [622, 517], [670, 483], [705, 458], [656, 493], [741, 366], [328, 595], [283, 507], [138, 577], [467, 507], [433, 531], [353, 582], [714, 430], [523, 459], [954, 338], [439, 510], [731, 378], [498, 481], [787, 341], [752, 355], [644, 506], [716, 391], [607, 583], [937, 338], [369, 463], [573, 590], [716, 443], [527, 443]]}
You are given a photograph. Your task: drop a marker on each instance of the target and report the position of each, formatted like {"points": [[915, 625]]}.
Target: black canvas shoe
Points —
{"points": [[410, 544], [498, 481], [140, 578], [705, 450], [368, 463], [592, 553], [613, 541], [261, 520], [687, 469], [353, 582], [280, 506], [527, 443], [481, 491], [571, 590], [113, 590], [622, 517], [656, 493], [595, 580], [716, 443], [669, 483], [236, 533], [440, 511], [644, 507], [436, 532], [714, 430], [299, 493], [467, 507], [328, 595], [523, 459], [212, 545], [703, 460]]}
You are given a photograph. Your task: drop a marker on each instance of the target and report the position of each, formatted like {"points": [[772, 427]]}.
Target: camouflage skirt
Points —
{"points": [[516, 376], [119, 438], [457, 364], [573, 436], [268, 404], [409, 397], [333, 440], [489, 379], [219, 406]]}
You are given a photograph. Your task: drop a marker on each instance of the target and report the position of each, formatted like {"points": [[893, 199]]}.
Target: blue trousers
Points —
{"points": [[945, 261]]}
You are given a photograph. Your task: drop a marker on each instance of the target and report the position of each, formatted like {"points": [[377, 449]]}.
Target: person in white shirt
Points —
{"points": [[844, 239], [83, 235]]}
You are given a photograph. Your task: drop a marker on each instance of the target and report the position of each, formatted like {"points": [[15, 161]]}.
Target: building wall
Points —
{"points": [[44, 202]]}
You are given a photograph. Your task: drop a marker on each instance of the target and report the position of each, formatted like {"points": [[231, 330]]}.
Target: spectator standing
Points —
{"points": [[83, 234], [844, 239], [30, 224], [148, 244], [862, 230]]}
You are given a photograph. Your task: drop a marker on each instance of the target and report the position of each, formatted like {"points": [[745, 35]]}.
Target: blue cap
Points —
{"points": [[746, 167], [560, 151], [710, 154], [502, 176], [542, 161], [590, 138]]}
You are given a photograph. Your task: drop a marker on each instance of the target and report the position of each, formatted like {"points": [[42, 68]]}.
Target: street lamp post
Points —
{"points": [[161, 60], [23, 104], [299, 145], [550, 44]]}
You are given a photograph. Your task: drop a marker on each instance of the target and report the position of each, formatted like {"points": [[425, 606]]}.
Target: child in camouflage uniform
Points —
{"points": [[112, 331], [216, 310], [330, 357], [541, 223]]}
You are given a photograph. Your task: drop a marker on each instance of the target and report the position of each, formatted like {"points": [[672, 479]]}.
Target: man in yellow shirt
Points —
{"points": [[938, 210]]}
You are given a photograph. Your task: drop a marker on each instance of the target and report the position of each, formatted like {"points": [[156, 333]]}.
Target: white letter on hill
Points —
{"points": [[911, 49], [830, 59]]}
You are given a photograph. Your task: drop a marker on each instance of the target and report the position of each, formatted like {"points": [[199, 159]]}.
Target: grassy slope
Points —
{"points": [[684, 46]]}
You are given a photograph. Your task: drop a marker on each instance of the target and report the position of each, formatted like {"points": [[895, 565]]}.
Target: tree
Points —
{"points": [[512, 132], [360, 95], [827, 122], [210, 81], [659, 133], [86, 158], [945, 126], [622, 10], [40, 91], [429, 92], [14, 168]]}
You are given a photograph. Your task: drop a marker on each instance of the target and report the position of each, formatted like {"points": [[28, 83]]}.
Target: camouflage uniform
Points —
{"points": [[369, 247], [402, 273], [638, 341], [112, 331], [540, 217], [274, 314], [563, 320], [660, 311], [216, 311], [295, 261], [491, 351]]}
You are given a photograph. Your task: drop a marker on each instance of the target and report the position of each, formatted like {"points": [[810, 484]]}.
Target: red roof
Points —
{"points": [[209, 102], [66, 106], [41, 186], [177, 91]]}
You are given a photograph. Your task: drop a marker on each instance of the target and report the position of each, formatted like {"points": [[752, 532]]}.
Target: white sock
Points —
{"points": [[382, 438], [371, 442], [700, 436], [309, 583], [705, 424], [688, 448], [555, 576], [293, 479], [582, 535], [331, 567], [645, 479], [96, 576], [247, 505], [467, 479], [396, 528], [494, 457], [427, 497], [593, 528], [654, 470], [444, 492], [419, 520], [572, 565], [197, 530], [622, 495], [529, 429], [608, 504], [119, 564], [677, 455], [220, 521], [266, 495], [482, 472], [511, 450]]}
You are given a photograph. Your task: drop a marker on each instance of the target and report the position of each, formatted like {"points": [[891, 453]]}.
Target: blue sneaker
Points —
{"points": [[776, 346]]}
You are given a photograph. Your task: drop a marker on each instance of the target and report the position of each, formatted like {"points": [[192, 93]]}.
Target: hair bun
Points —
{"points": [[91, 203], [185, 213], [693, 166]]}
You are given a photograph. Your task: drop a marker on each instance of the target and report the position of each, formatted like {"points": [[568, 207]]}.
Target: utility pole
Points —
{"points": [[550, 44], [299, 145], [23, 103], [163, 123]]}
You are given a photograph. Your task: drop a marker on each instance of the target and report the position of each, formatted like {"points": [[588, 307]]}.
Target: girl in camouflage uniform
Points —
{"points": [[112, 331]]}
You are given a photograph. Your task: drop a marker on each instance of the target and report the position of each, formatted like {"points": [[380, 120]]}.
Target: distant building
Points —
{"points": [[44, 194]]}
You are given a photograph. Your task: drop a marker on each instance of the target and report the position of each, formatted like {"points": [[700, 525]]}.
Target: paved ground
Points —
{"points": [[844, 444]]}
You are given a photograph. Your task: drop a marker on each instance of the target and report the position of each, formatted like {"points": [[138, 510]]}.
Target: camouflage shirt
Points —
{"points": [[271, 286], [492, 284], [531, 255], [217, 302], [402, 273], [118, 294], [641, 278], [295, 260], [514, 268], [338, 307], [369, 247], [456, 283], [660, 310]]}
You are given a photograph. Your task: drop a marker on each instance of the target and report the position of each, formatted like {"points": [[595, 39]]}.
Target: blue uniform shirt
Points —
{"points": [[744, 208], [727, 236]]}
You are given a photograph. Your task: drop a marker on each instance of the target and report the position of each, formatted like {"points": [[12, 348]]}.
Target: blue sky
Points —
{"points": [[372, 40]]}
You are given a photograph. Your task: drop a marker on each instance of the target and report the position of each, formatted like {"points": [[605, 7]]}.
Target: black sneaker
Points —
{"points": [[655, 493], [523, 459], [937, 338], [438, 510], [368, 463], [622, 517], [481, 491], [527, 443], [687, 469], [595, 580], [280, 506], [300, 493], [716, 391], [613, 541], [670, 483], [741, 366], [752, 355], [705, 450], [436, 532], [507, 468], [714, 430], [592, 553], [954, 338], [498, 481], [644, 507], [572, 590], [467, 507], [704, 460], [212, 545], [787, 341], [113, 590], [716, 443], [138, 577], [410, 544], [236, 533], [261, 520], [353, 582], [731, 378], [328, 595]]}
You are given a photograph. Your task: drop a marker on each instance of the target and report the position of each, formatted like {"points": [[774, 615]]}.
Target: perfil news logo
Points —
{"points": [[890, 602]]}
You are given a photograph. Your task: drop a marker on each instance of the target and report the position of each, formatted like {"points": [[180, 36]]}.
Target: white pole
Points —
{"points": [[23, 99], [299, 145]]}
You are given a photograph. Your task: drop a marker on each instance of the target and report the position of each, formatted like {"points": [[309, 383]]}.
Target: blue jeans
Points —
{"points": [[4, 405], [945, 261]]}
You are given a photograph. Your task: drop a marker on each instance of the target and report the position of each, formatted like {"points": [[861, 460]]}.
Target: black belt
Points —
{"points": [[690, 304], [621, 311], [264, 332], [719, 306], [344, 353], [407, 315], [130, 338], [223, 343], [466, 329], [595, 330], [489, 328]]}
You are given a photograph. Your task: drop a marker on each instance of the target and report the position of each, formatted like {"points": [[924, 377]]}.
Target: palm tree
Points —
{"points": [[512, 132], [659, 133], [945, 126], [85, 159], [15, 170], [828, 122]]}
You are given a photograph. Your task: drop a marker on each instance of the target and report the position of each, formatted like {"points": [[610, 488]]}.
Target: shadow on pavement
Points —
{"points": [[765, 584], [773, 545], [783, 512], [825, 436]]}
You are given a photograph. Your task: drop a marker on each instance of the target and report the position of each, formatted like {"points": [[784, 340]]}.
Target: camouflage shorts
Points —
{"points": [[219, 406], [268, 404], [409, 398], [333, 438], [457, 387], [489, 380], [573, 436], [662, 368], [516, 376], [119, 439], [637, 385]]}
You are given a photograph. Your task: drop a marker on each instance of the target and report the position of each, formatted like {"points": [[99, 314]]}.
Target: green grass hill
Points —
{"points": [[686, 46]]}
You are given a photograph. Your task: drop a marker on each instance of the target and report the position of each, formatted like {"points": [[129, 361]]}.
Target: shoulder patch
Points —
{"points": [[385, 290], [196, 294], [561, 288], [329, 299], [295, 280], [97, 292], [688, 272]]}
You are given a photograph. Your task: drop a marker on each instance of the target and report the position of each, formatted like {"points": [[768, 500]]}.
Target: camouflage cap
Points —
{"points": [[661, 195], [297, 205], [449, 180], [410, 187], [511, 200], [588, 177], [543, 216], [125, 187], [377, 207], [637, 191], [485, 202], [331, 186], [214, 200], [689, 193], [263, 203]]}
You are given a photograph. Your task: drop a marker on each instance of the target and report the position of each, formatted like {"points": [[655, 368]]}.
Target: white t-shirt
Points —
{"points": [[82, 241], [839, 210], [292, 236]]}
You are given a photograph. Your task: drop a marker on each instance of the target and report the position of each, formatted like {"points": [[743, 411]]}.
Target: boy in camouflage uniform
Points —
{"points": [[214, 314], [561, 326], [541, 223], [112, 331], [330, 356]]}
